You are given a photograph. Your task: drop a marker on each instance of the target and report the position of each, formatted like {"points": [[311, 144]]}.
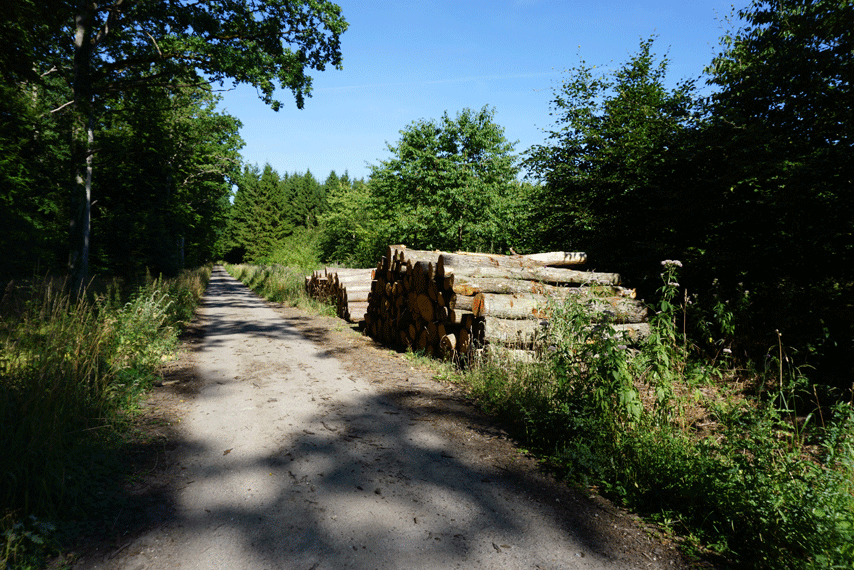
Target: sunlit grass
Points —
{"points": [[663, 431], [280, 284], [71, 371]]}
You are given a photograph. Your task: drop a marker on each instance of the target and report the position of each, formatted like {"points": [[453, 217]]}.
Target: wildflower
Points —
{"points": [[727, 351]]}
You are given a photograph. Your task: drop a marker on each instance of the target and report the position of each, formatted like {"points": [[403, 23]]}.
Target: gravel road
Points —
{"points": [[292, 457]]}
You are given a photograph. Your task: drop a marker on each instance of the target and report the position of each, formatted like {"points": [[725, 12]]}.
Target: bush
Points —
{"points": [[764, 488]]}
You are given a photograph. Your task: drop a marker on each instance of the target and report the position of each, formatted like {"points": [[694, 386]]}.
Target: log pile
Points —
{"points": [[450, 304], [346, 289]]}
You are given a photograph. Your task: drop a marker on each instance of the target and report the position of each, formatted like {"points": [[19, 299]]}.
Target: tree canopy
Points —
{"points": [[97, 54], [610, 164], [442, 187], [750, 186]]}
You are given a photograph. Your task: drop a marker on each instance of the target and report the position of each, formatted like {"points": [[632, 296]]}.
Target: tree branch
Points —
{"points": [[112, 19], [61, 107]]}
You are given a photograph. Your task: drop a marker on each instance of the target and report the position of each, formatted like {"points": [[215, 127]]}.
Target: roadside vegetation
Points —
{"points": [[732, 425], [748, 460], [747, 463], [280, 284], [72, 373]]}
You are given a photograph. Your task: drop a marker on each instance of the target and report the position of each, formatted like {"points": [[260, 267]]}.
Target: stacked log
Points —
{"points": [[405, 306], [346, 289], [453, 303]]}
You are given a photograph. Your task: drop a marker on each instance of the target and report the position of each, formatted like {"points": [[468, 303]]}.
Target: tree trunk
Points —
{"points": [[470, 286], [528, 306], [510, 332], [81, 200], [472, 260], [558, 258]]}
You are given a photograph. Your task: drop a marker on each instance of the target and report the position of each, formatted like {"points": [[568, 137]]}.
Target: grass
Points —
{"points": [[73, 371], [280, 284]]}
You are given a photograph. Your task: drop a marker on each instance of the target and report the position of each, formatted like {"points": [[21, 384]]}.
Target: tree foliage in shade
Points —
{"points": [[442, 186], [611, 163], [352, 232], [780, 154], [34, 162], [164, 170], [101, 56], [751, 187]]}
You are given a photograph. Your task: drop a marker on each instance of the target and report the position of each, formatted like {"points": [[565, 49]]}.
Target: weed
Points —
{"points": [[73, 369], [768, 487]]}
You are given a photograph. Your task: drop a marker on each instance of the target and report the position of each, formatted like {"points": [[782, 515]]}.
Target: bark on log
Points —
{"points": [[528, 306], [463, 303], [354, 295], [464, 260], [402, 254], [463, 285], [510, 332], [558, 258], [448, 344], [618, 310], [545, 274], [355, 312], [519, 306]]}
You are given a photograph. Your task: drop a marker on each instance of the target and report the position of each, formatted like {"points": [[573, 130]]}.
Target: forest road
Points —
{"points": [[293, 455]]}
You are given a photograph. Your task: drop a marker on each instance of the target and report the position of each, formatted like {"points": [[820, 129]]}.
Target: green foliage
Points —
{"points": [[301, 251], [446, 184], [33, 156], [140, 333], [611, 162], [353, 233], [25, 543], [71, 369], [766, 488], [279, 284], [133, 74], [273, 212], [163, 179], [777, 157], [750, 186]]}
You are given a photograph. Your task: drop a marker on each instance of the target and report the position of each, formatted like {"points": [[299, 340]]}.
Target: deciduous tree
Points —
{"points": [[113, 47], [442, 186], [611, 166]]}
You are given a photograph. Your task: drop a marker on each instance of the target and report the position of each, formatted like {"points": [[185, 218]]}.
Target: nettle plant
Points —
{"points": [[593, 368]]}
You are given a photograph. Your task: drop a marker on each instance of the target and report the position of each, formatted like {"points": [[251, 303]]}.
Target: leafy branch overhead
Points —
{"points": [[267, 44]]}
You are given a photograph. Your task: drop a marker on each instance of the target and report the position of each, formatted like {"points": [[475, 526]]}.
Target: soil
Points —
{"points": [[375, 463]]}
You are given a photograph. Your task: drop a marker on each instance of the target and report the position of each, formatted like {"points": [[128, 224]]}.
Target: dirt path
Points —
{"points": [[305, 447]]}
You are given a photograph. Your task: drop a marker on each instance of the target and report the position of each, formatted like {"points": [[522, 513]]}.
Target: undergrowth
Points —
{"points": [[280, 284], [72, 371], [664, 430]]}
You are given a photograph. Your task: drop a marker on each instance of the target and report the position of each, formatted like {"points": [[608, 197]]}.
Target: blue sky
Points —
{"points": [[406, 60]]}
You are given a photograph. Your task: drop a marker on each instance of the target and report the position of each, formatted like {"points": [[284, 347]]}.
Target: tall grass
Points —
{"points": [[71, 370], [279, 284], [663, 431]]}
